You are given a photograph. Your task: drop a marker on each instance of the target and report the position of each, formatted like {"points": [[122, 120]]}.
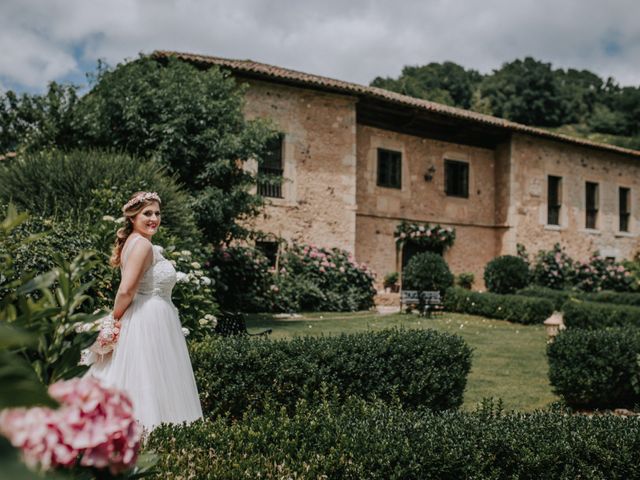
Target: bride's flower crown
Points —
{"points": [[141, 197]]}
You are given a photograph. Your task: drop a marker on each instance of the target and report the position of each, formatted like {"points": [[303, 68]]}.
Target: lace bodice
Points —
{"points": [[159, 278]]}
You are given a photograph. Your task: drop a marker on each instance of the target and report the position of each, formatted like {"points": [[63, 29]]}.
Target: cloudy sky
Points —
{"points": [[355, 40]]}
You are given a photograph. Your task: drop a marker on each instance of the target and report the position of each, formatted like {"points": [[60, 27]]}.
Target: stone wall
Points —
{"points": [[380, 209], [319, 164], [533, 159]]}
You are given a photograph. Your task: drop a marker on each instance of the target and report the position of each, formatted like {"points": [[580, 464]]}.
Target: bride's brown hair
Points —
{"points": [[129, 211]]}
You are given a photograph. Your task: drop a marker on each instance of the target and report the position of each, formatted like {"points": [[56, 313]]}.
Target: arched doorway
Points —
{"points": [[410, 248]]}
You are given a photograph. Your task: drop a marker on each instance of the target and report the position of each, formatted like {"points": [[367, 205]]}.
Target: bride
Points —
{"points": [[150, 360]]}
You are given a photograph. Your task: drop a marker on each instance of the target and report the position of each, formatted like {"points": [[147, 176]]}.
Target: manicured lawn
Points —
{"points": [[509, 359]]}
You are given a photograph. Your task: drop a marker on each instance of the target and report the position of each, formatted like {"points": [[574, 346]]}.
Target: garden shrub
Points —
{"points": [[354, 439], [308, 279], [465, 280], [553, 268], [423, 368], [85, 185], [607, 296], [427, 272], [593, 315], [558, 297], [514, 308], [320, 279], [243, 279], [596, 369], [602, 274], [506, 274]]}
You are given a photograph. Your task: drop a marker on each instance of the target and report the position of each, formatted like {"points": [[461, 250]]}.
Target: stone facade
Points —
{"points": [[331, 197], [319, 157]]}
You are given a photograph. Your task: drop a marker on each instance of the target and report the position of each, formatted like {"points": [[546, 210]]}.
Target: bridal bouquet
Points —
{"points": [[108, 336]]}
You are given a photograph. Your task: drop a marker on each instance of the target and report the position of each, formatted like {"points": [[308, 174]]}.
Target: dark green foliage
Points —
{"points": [[596, 369], [594, 315], [354, 440], [420, 367], [514, 308], [309, 279], [558, 297], [446, 83], [620, 298], [35, 122], [192, 121], [427, 271], [83, 186], [242, 278], [506, 274], [532, 92]]}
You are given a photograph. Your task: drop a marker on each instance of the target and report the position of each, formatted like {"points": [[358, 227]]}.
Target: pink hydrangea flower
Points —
{"points": [[94, 427]]}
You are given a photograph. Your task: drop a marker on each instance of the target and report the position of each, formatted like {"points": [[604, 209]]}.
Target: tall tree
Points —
{"points": [[447, 83], [526, 91]]}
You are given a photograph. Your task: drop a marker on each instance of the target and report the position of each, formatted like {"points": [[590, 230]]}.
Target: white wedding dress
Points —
{"points": [[150, 361]]}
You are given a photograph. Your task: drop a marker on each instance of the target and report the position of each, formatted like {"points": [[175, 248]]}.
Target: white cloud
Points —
{"points": [[355, 40]]}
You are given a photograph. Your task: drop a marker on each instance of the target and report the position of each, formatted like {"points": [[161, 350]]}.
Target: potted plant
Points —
{"points": [[390, 282]]}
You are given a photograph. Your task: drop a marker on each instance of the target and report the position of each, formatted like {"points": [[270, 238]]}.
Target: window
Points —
{"points": [[269, 250], [625, 211], [270, 172], [389, 168], [592, 204], [456, 178], [554, 195]]}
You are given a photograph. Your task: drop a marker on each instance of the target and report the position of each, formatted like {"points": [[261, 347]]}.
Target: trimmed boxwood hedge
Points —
{"points": [[420, 367], [593, 315], [596, 368], [621, 298], [354, 439], [558, 297], [515, 308]]}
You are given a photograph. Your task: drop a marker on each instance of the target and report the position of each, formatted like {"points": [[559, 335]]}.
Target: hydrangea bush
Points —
{"points": [[314, 278], [600, 273], [307, 278], [94, 427], [553, 268]]}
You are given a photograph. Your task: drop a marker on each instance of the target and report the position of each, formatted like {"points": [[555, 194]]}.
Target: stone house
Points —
{"points": [[355, 161]]}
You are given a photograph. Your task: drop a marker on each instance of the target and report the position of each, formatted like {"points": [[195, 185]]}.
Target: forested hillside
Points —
{"points": [[574, 102]]}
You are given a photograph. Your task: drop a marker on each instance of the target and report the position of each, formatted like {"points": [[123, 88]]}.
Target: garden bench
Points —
{"points": [[431, 301], [233, 323]]}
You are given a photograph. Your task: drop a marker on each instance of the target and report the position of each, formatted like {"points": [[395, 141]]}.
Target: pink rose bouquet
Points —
{"points": [[93, 427]]}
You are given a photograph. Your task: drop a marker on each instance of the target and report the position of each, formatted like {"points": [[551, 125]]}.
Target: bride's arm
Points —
{"points": [[138, 261]]}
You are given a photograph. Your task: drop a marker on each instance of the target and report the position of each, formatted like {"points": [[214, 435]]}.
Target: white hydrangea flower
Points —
{"points": [[198, 273], [108, 218], [186, 253], [120, 220], [185, 331], [203, 321], [206, 280], [182, 277], [196, 265]]}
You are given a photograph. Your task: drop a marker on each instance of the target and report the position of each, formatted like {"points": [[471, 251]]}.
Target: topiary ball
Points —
{"points": [[427, 272], [506, 274]]}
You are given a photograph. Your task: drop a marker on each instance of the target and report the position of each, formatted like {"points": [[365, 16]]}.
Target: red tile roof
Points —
{"points": [[280, 74]]}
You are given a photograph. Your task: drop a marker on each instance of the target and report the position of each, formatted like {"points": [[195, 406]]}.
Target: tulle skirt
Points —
{"points": [[151, 364]]}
